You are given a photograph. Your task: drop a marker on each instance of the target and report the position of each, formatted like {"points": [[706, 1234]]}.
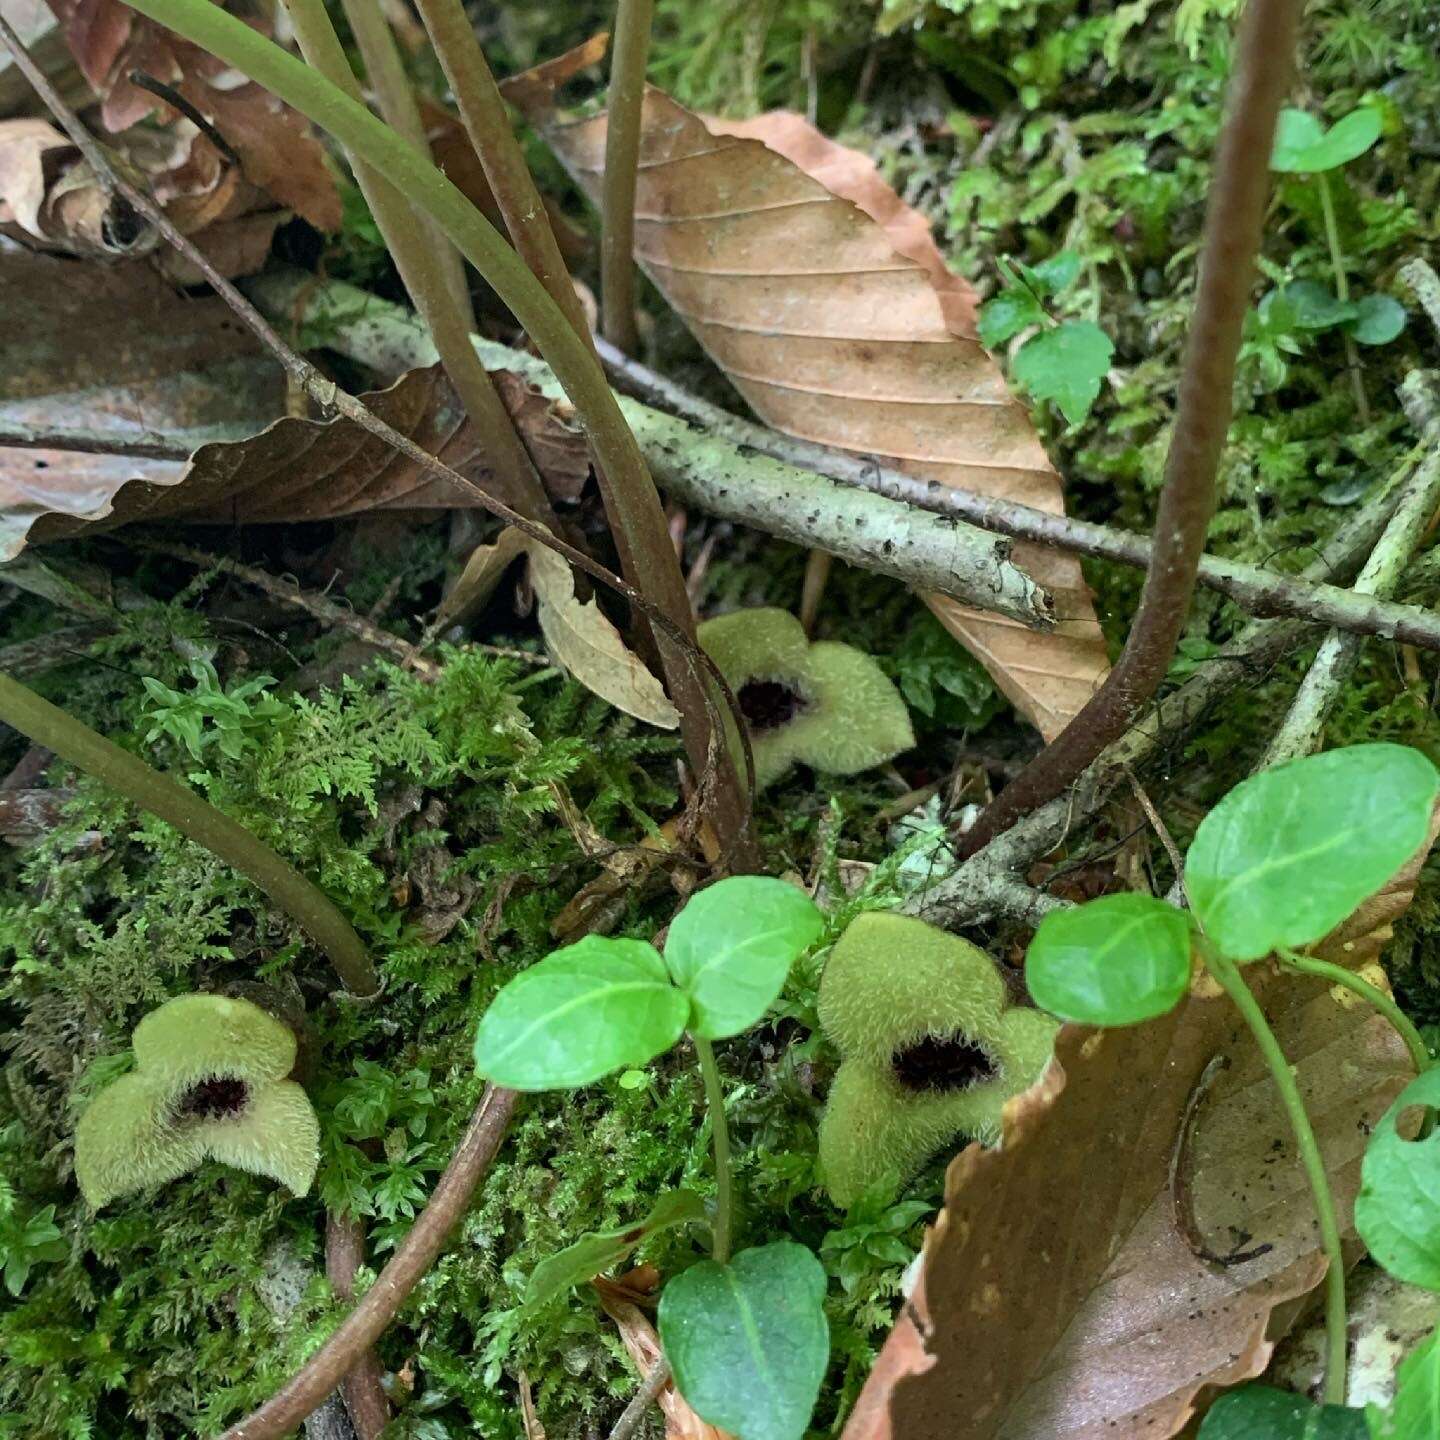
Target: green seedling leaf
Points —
{"points": [[748, 1341], [1260, 1412], [1057, 273], [601, 1249], [1066, 365], [1378, 320], [732, 946], [1414, 1413], [1304, 146], [578, 1014], [1007, 314], [1289, 853], [1398, 1209], [1307, 305], [1114, 961]]}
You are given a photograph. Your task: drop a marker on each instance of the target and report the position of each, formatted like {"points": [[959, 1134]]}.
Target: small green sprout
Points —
{"points": [[209, 1084], [929, 1050], [826, 705], [1065, 360]]}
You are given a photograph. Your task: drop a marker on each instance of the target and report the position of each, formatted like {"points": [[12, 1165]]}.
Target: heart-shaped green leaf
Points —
{"points": [[1066, 365], [1378, 320], [1414, 1414], [1303, 145], [1057, 273], [1260, 1412], [600, 1249], [1113, 961], [579, 1014], [748, 1341], [732, 946], [1289, 853], [1398, 1209], [1307, 305]]}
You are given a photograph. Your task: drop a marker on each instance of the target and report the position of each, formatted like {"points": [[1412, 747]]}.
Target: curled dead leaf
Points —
{"points": [[823, 298]]}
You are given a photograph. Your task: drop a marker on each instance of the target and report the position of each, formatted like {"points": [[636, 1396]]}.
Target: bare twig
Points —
{"points": [[1304, 723], [361, 1390], [708, 682], [654, 1382], [1233, 221], [1260, 592], [325, 1369], [633, 19]]}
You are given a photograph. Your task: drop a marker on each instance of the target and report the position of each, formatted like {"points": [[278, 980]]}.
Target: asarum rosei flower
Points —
{"points": [[826, 705], [209, 1084], [929, 1048]]}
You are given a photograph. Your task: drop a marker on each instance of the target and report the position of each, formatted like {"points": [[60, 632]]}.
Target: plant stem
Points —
{"points": [[487, 123], [414, 244], [715, 1103], [386, 73], [1385, 1004], [1342, 293], [197, 820], [633, 19], [1234, 985], [633, 505], [1233, 222]]}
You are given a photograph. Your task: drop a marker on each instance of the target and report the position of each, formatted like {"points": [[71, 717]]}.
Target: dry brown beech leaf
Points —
{"points": [[1065, 1295], [118, 353], [823, 298]]}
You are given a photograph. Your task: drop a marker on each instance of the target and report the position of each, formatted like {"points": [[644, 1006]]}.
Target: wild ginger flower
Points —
{"points": [[209, 1083], [929, 1050], [826, 705]]}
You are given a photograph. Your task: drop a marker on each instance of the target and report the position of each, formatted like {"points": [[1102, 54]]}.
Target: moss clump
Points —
{"points": [[929, 1050], [826, 705], [209, 1083]]}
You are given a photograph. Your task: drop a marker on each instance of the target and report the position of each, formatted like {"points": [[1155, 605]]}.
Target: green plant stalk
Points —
{"points": [[1231, 981], [386, 72], [197, 820], [412, 243], [715, 1103], [1342, 293], [633, 19], [1385, 1004], [487, 123], [631, 500]]}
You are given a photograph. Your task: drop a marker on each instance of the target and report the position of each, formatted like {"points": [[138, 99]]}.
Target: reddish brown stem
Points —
{"points": [[328, 1366], [1234, 216], [364, 1397]]}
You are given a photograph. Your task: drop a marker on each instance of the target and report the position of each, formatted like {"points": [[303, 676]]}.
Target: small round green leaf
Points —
{"points": [[1289, 853], [1303, 145], [732, 946], [1007, 315], [1260, 1412], [1066, 365], [1057, 273], [1378, 320], [748, 1341], [1398, 1209], [1313, 306], [579, 1014], [1114, 961]]}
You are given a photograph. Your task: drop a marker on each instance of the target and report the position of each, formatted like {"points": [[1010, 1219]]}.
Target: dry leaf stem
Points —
{"points": [[418, 247], [197, 820], [1258, 591], [654, 1382], [704, 689], [1233, 223], [487, 123], [631, 56], [633, 506], [363, 1326]]}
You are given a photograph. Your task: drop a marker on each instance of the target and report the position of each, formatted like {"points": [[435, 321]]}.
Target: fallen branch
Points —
{"points": [[361, 1390], [335, 1359], [921, 549]]}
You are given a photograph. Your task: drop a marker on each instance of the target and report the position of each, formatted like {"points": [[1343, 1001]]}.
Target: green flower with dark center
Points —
{"points": [[826, 705], [209, 1084], [929, 1048]]}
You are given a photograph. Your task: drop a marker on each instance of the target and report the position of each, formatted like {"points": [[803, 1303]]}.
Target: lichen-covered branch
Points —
{"points": [[707, 470]]}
